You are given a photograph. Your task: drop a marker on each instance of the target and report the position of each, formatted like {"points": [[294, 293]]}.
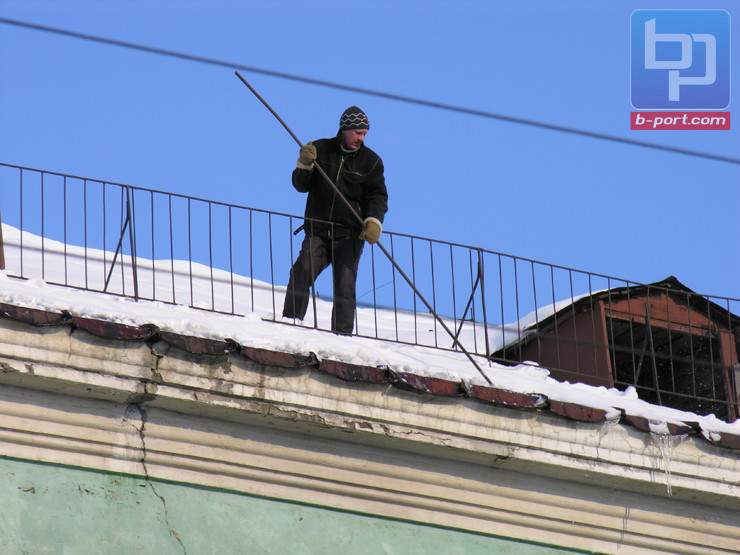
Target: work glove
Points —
{"points": [[371, 231], [307, 157]]}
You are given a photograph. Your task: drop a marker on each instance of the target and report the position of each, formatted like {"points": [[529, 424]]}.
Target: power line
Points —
{"points": [[370, 92]]}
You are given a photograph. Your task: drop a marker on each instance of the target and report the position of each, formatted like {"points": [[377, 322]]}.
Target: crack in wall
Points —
{"points": [[143, 415], [142, 435], [139, 403]]}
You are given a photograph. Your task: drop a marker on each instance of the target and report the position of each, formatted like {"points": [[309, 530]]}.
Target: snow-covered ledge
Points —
{"points": [[72, 398]]}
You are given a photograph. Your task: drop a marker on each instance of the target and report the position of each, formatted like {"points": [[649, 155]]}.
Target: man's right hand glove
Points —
{"points": [[307, 157]]}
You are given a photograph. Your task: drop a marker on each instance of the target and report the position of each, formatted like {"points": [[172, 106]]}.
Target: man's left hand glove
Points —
{"points": [[371, 231]]}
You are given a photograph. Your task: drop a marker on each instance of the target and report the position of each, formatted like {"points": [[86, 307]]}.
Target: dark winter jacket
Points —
{"points": [[358, 175]]}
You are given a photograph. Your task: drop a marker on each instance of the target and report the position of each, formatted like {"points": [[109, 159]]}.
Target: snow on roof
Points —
{"points": [[253, 331]]}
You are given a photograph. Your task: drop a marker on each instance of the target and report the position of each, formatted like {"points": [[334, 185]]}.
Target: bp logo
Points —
{"points": [[680, 59]]}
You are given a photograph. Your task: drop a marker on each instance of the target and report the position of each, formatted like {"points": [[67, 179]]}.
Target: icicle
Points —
{"points": [[666, 443], [607, 426]]}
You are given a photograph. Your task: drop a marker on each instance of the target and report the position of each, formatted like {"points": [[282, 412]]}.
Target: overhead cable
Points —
{"points": [[370, 92]]}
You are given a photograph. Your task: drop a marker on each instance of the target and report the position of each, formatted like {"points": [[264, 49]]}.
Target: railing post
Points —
{"points": [[483, 301], [467, 306], [132, 240], [2, 248], [127, 223]]}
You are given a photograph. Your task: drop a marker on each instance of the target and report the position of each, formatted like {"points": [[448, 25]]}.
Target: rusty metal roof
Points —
{"points": [[670, 286], [350, 372]]}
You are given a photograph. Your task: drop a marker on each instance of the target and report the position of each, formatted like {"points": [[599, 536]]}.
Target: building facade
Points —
{"points": [[117, 437]]}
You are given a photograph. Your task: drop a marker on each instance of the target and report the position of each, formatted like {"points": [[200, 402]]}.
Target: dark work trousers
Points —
{"points": [[316, 254]]}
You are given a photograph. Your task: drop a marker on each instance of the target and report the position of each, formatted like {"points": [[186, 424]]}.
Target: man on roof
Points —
{"points": [[334, 234]]}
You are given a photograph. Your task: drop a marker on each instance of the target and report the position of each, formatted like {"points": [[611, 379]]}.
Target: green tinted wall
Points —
{"points": [[61, 510]]}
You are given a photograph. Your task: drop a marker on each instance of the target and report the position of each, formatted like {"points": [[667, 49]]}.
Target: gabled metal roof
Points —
{"points": [[670, 285]]}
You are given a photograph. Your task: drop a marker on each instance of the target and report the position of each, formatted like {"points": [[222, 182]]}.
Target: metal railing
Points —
{"points": [[673, 346]]}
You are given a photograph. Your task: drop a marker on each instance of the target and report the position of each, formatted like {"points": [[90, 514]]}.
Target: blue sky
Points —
{"points": [[105, 112]]}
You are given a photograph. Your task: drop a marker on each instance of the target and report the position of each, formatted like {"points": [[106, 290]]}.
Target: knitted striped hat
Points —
{"points": [[353, 118]]}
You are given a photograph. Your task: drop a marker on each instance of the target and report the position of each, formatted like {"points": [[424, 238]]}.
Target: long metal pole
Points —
{"points": [[359, 220]]}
